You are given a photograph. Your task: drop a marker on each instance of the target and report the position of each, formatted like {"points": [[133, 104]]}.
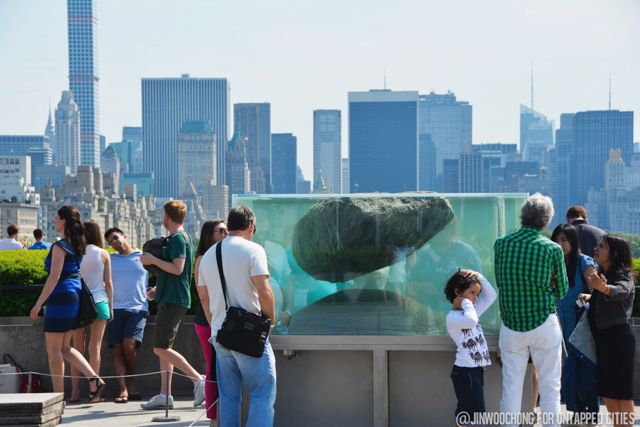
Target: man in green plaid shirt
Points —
{"points": [[530, 275]]}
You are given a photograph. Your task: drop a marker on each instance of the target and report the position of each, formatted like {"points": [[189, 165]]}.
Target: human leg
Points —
{"points": [[130, 355], [259, 374], [210, 390], [95, 344], [53, 343], [229, 387], [77, 360], [78, 340], [546, 353], [119, 371], [514, 352], [133, 334]]}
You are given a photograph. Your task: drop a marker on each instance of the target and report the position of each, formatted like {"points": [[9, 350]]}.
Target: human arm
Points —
{"points": [[621, 289], [487, 296], [108, 284], [265, 296], [57, 262], [201, 287], [560, 283], [466, 319], [175, 266], [587, 267]]}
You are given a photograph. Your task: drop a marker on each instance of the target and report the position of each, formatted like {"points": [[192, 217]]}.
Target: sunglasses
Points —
{"points": [[114, 238], [221, 230]]}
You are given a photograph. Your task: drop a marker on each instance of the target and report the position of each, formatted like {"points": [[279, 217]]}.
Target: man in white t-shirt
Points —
{"points": [[247, 276], [11, 242]]}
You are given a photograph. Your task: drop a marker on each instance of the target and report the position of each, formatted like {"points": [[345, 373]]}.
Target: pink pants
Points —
{"points": [[211, 388]]}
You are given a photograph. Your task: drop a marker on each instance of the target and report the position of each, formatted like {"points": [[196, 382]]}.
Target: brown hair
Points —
{"points": [[207, 236], [576, 211], [93, 234], [12, 230], [74, 231], [176, 210]]}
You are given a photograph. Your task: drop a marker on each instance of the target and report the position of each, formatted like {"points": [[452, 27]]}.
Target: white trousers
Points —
{"points": [[544, 343]]}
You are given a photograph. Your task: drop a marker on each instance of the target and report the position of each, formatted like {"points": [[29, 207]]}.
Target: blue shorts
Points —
{"points": [[126, 324], [468, 383]]}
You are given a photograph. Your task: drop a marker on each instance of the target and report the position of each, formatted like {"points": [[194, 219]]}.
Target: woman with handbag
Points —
{"points": [[610, 309], [578, 375], [61, 293], [211, 233], [95, 269]]}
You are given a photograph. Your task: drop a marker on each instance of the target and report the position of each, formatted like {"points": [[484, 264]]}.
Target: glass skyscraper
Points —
{"points": [[536, 135], [284, 155], [252, 124], [327, 148], [383, 141], [167, 103], [83, 75]]}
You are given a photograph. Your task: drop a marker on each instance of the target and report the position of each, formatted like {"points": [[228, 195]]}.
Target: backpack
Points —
{"points": [[155, 247]]}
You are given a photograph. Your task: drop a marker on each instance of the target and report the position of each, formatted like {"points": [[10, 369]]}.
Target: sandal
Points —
{"points": [[123, 398], [96, 396]]}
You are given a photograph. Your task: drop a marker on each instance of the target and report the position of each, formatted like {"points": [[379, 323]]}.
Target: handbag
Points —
{"points": [[88, 312], [582, 338], [241, 331], [22, 382]]}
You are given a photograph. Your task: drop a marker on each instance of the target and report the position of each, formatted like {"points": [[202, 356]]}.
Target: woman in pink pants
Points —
{"points": [[212, 232]]}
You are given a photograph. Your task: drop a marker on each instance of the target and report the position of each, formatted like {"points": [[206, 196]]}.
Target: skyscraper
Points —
{"points": [[327, 148], [560, 166], [196, 157], [346, 183], [238, 177], [448, 123], [252, 123], [471, 170], [68, 126], [536, 135], [83, 75], [284, 156], [50, 132], [383, 141], [166, 104]]}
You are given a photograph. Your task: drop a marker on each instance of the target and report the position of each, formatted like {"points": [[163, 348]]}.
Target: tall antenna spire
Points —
{"points": [[609, 88], [532, 84]]}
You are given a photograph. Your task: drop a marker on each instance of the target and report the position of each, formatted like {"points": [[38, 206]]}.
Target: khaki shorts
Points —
{"points": [[168, 320]]}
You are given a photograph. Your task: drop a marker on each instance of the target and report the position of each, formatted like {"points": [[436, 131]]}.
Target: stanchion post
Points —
{"points": [[166, 417]]}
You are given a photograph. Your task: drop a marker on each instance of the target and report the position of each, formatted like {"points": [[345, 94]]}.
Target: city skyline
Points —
{"points": [[573, 50]]}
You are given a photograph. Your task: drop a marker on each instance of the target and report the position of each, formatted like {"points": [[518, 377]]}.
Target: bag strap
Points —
{"points": [[222, 280]]}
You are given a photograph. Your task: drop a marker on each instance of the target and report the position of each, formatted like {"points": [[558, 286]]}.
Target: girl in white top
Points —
{"points": [[471, 294], [95, 269]]}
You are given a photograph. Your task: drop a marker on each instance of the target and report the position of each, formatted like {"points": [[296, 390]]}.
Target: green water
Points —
{"points": [[405, 298]]}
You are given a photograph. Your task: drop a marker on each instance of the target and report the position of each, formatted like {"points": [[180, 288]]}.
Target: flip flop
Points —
{"points": [[135, 397], [121, 399]]}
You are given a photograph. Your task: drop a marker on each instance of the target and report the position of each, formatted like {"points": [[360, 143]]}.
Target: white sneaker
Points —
{"points": [[158, 401], [198, 391]]}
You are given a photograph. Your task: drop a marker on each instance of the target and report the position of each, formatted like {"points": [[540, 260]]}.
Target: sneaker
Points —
{"points": [[157, 402], [198, 391]]}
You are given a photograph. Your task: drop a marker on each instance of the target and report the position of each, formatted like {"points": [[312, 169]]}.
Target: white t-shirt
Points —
{"points": [[242, 259], [9, 244], [465, 330], [92, 271]]}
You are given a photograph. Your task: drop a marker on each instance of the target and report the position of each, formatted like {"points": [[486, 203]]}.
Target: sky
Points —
{"points": [[302, 55]]}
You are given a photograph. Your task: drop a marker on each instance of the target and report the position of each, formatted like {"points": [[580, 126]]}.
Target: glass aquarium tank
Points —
{"points": [[376, 264]]}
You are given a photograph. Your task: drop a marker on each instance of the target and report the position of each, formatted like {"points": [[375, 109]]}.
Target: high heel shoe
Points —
{"points": [[96, 396]]}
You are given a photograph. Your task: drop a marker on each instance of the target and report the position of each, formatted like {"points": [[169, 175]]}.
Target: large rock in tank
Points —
{"points": [[342, 238]]}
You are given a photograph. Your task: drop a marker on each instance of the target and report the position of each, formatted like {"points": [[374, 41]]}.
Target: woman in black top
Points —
{"points": [[611, 303], [211, 233]]}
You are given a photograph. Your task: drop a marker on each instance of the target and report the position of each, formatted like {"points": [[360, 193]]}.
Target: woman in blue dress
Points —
{"points": [[578, 373], [61, 294]]}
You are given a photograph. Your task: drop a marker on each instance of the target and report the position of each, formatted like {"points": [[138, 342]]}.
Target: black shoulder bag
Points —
{"points": [[241, 331], [88, 312]]}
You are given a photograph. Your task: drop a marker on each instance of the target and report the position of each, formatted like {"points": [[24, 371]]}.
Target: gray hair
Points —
{"points": [[536, 211]]}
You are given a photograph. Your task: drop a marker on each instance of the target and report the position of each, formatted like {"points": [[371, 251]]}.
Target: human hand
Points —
{"points": [[151, 293], [584, 297], [34, 312], [597, 281], [147, 259], [457, 303]]}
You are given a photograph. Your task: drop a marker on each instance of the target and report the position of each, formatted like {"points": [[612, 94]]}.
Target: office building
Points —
{"points": [[448, 122], [238, 175], [303, 186], [68, 152], [327, 149], [196, 157], [252, 124], [83, 75], [383, 141], [346, 183], [166, 104], [471, 170], [284, 156], [536, 135], [15, 180]]}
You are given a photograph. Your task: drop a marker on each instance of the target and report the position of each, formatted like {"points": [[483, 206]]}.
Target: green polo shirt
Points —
{"points": [[170, 288], [524, 264]]}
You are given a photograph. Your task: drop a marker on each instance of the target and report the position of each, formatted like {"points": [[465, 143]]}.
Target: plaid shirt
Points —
{"points": [[524, 264]]}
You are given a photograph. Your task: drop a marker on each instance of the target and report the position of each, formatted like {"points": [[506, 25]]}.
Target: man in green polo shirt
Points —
{"points": [[173, 297], [531, 275]]}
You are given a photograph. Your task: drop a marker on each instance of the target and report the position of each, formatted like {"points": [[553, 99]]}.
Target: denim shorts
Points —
{"points": [[468, 384], [126, 324]]}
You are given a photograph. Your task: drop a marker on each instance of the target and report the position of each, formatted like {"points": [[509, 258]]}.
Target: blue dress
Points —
{"points": [[62, 306], [578, 391]]}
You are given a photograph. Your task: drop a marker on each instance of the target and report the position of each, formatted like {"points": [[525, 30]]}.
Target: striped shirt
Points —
{"points": [[524, 264]]}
